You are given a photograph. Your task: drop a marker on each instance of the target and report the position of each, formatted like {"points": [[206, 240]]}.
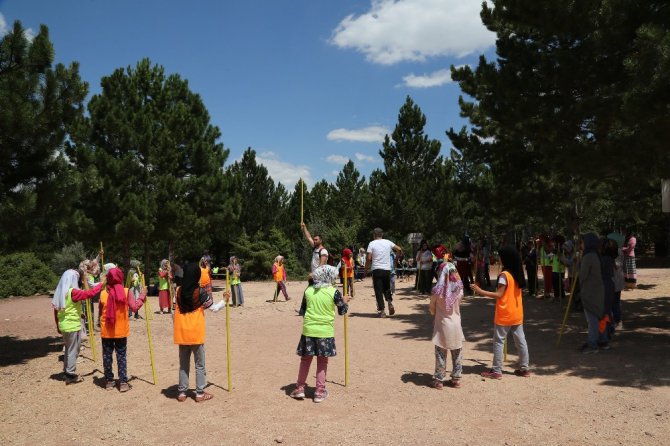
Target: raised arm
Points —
{"points": [[136, 304], [78, 295], [306, 233]]}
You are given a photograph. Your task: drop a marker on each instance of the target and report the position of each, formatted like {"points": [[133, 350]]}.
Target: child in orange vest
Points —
{"points": [[509, 313], [347, 262], [279, 275], [114, 328], [189, 331]]}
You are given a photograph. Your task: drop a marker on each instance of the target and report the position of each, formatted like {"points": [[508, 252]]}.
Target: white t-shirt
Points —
{"points": [[502, 280], [316, 257], [381, 254]]}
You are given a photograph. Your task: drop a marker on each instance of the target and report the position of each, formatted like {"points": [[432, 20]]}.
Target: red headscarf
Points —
{"points": [[116, 293]]}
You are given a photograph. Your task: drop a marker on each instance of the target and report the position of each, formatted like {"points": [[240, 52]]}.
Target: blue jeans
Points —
{"points": [[237, 295], [499, 334]]}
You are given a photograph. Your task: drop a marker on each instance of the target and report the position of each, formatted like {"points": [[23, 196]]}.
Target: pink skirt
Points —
{"points": [[164, 299]]}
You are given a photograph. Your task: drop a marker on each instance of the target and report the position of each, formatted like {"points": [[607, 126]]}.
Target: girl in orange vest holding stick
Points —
{"points": [[509, 313], [189, 330], [114, 328], [279, 275]]}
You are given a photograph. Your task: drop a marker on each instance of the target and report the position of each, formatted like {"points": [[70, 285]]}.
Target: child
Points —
{"points": [[164, 286], [235, 282], [279, 274], [67, 315], [318, 330], [508, 314], [447, 332], [205, 275], [114, 328], [348, 262], [135, 287], [189, 331]]}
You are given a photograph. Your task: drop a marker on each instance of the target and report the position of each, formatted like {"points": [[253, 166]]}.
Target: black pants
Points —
{"points": [[381, 281], [532, 277]]}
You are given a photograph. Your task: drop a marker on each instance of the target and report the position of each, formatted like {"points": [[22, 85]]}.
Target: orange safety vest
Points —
{"points": [[189, 328], [279, 274], [204, 277], [509, 308], [120, 328]]}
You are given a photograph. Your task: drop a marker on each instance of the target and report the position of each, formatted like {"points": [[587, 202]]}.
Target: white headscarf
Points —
{"points": [[448, 290], [69, 279]]}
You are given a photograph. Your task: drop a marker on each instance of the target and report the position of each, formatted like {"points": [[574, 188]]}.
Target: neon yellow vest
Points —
{"points": [[69, 318], [319, 319]]}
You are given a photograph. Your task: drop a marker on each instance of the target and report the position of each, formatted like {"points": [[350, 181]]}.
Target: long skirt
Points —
{"points": [[629, 271], [164, 299]]}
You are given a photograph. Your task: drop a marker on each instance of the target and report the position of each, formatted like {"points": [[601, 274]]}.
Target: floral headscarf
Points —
{"points": [[279, 259], [324, 276], [449, 286]]}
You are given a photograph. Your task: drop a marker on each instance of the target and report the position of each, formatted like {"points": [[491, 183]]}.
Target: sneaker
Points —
{"points": [[124, 387], [298, 393], [437, 384], [109, 385], [454, 383], [381, 314], [320, 396], [491, 374], [391, 309], [588, 350], [73, 379], [522, 373]]}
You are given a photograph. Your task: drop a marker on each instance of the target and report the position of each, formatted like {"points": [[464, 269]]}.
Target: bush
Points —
{"points": [[23, 274], [68, 257]]}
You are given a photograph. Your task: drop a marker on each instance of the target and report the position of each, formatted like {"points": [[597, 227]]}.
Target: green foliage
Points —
{"points": [[257, 255], [68, 257], [23, 274]]}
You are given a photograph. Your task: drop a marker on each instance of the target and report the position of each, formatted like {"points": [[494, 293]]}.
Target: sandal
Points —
{"points": [[181, 398], [204, 396], [109, 385], [124, 387], [437, 384], [454, 383]]}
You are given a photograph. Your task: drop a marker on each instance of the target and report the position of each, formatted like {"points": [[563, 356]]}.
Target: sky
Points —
{"points": [[307, 84]]}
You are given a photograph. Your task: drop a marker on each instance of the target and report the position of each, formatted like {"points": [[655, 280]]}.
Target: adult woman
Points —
{"points": [[424, 262], [629, 267]]}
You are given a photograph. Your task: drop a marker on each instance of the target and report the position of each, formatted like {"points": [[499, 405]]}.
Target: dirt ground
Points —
{"points": [[620, 396]]}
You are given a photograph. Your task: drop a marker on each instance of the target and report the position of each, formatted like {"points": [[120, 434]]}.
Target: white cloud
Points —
{"points": [[284, 172], [393, 31], [3, 25], [365, 158], [367, 134], [337, 159], [434, 79]]}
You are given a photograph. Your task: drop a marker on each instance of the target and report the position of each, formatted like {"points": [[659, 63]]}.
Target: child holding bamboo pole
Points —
{"points": [[318, 332], [189, 330], [508, 314], [67, 315], [279, 275], [114, 327]]}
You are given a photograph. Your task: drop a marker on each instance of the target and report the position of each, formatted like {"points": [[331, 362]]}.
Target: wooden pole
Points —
{"points": [[230, 381], [90, 316], [302, 200], [102, 256], [567, 309], [505, 350], [147, 320], [346, 329]]}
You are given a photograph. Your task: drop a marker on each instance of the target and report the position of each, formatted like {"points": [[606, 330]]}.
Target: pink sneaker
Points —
{"points": [[492, 375], [298, 393]]}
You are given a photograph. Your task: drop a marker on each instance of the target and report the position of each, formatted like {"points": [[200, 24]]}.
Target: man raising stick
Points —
{"points": [[379, 261], [320, 254]]}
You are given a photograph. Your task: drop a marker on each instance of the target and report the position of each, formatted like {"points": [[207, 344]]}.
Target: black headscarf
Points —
{"points": [[511, 262], [190, 283]]}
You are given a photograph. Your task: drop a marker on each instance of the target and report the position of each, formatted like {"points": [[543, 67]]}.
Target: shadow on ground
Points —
{"points": [[639, 357], [19, 351]]}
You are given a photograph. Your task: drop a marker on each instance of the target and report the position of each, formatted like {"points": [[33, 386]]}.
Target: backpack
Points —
{"points": [[331, 257]]}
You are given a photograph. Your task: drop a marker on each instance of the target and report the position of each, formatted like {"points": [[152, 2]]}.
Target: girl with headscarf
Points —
{"points": [[67, 315], [347, 261], [189, 330], [448, 336], [318, 329], [279, 275], [164, 278], [235, 271], [508, 314], [115, 300], [592, 290]]}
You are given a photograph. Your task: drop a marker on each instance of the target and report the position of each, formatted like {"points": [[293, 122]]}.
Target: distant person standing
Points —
{"points": [[629, 267], [379, 262]]}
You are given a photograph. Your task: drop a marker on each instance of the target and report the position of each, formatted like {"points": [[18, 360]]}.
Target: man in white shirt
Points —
{"points": [[319, 254], [379, 261]]}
